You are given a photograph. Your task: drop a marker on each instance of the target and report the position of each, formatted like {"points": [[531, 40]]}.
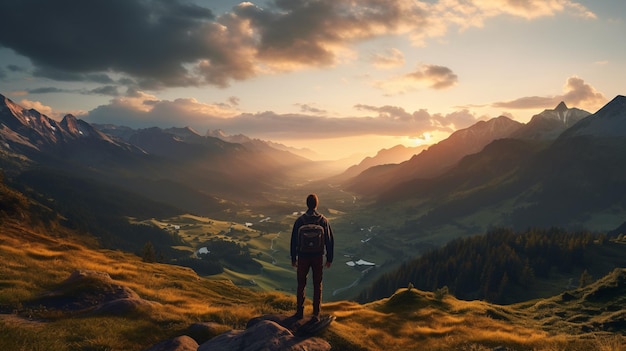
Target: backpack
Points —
{"points": [[311, 236]]}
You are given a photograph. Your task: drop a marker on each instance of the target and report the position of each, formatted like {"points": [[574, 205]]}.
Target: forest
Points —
{"points": [[502, 266]]}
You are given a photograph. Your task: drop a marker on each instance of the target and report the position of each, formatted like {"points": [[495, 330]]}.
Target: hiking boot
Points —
{"points": [[316, 312], [316, 315], [299, 314]]}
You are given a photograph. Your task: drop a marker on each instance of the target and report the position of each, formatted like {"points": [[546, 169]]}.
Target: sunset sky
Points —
{"points": [[336, 76]]}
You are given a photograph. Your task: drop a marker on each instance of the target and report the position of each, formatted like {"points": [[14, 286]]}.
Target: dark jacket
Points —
{"points": [[329, 241]]}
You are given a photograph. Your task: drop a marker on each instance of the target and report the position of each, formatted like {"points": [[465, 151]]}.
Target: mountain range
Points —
{"points": [[440, 157], [156, 163], [574, 180], [563, 167]]}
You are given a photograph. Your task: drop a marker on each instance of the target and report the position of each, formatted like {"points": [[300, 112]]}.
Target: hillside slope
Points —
{"points": [[60, 292]]}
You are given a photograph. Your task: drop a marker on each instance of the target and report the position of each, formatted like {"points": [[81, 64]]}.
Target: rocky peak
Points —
{"points": [[561, 107], [549, 124], [70, 124], [609, 121]]}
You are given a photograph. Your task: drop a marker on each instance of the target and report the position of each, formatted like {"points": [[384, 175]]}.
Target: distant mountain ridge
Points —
{"points": [[577, 180], [393, 155], [437, 158], [549, 124], [242, 139]]}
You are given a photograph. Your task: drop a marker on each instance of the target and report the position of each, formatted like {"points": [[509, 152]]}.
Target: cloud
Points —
{"points": [[37, 105], [425, 76], [110, 90], [576, 93], [314, 33], [465, 14], [437, 77], [388, 59], [4, 72], [137, 109], [307, 108], [531, 8], [69, 39], [458, 120], [234, 101], [16, 68], [171, 43], [46, 90]]}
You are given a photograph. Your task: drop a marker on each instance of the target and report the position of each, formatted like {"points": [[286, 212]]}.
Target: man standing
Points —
{"points": [[310, 238]]}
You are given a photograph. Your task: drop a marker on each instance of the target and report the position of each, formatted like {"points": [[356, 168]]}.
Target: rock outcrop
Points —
{"points": [[264, 333], [87, 291]]}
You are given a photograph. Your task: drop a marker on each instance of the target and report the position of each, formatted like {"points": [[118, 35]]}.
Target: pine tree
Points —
{"points": [[148, 254]]}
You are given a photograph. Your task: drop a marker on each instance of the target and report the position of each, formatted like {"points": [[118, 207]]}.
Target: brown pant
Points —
{"points": [[316, 264]]}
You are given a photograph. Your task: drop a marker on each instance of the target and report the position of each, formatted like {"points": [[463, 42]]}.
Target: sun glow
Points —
{"points": [[423, 139]]}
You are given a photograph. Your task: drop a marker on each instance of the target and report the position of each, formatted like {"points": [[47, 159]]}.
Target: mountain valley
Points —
{"points": [[148, 206]]}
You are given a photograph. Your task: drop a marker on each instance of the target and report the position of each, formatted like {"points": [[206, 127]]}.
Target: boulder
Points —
{"points": [[202, 332], [264, 335], [88, 291], [181, 343]]}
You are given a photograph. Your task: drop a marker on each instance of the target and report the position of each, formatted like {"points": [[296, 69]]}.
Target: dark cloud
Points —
{"points": [[159, 43], [306, 108], [576, 92], [109, 90], [308, 31], [145, 39], [234, 101], [69, 76], [431, 76], [16, 68], [438, 77], [3, 73], [46, 90]]}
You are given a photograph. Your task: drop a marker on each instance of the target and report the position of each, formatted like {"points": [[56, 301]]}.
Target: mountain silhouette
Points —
{"points": [[609, 121], [575, 181], [436, 159]]}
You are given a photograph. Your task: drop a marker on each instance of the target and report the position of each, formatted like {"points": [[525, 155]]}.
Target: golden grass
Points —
{"points": [[449, 324], [33, 262]]}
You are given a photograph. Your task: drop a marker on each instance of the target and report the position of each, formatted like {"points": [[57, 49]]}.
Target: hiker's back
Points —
{"points": [[311, 235]]}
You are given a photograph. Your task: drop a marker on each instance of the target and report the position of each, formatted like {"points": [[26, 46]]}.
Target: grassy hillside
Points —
{"points": [[39, 254]]}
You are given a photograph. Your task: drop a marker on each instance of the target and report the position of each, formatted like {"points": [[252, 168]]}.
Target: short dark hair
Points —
{"points": [[311, 201]]}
